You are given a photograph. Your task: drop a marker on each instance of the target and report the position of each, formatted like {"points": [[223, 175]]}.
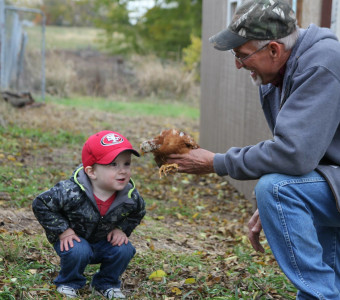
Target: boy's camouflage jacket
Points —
{"points": [[71, 203]]}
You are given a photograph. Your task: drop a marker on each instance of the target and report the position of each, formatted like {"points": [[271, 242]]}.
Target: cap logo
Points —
{"points": [[111, 139]]}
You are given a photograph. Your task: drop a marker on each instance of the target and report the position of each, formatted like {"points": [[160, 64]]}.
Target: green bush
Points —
{"points": [[192, 56]]}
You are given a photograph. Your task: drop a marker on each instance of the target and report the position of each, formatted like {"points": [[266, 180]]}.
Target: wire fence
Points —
{"points": [[22, 68]]}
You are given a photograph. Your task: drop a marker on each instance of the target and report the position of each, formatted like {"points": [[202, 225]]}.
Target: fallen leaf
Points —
{"points": [[153, 206], [190, 281], [176, 291], [157, 275], [11, 158], [151, 246], [179, 216], [195, 215]]}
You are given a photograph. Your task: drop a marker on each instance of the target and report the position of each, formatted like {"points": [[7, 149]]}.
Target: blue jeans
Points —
{"points": [[113, 259], [302, 226]]}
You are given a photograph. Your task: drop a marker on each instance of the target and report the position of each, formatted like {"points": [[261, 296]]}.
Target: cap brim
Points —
{"points": [[110, 157], [133, 151], [227, 40]]}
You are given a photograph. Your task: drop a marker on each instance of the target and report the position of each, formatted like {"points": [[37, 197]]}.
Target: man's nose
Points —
{"points": [[238, 64]]}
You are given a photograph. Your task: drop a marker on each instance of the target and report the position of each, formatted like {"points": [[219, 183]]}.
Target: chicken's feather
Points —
{"points": [[170, 141]]}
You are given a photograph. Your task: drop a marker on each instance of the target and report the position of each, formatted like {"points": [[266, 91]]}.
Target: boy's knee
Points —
{"points": [[126, 250], [79, 251]]}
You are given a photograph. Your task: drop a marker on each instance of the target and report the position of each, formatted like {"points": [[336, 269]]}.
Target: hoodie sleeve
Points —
{"points": [[134, 218], [304, 129], [47, 208]]}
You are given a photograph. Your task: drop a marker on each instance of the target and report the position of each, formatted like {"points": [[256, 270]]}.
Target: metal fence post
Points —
{"points": [[2, 43], [36, 11], [43, 47]]}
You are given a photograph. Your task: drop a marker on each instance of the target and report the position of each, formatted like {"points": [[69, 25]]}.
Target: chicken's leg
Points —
{"points": [[168, 168]]}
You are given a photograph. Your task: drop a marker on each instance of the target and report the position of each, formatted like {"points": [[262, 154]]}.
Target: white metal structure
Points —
{"points": [[12, 46]]}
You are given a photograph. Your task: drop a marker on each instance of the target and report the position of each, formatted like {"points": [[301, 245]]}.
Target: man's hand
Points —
{"points": [[66, 239], [117, 237], [197, 161], [255, 228]]}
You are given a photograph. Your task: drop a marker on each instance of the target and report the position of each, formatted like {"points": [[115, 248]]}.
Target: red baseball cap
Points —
{"points": [[103, 147]]}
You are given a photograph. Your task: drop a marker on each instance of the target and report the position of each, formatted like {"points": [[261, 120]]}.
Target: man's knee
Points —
{"points": [[264, 188]]}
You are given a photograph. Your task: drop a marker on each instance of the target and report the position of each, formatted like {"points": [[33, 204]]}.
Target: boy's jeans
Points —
{"points": [[302, 226], [113, 259]]}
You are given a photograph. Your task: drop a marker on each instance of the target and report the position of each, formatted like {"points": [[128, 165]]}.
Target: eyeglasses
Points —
{"points": [[242, 57]]}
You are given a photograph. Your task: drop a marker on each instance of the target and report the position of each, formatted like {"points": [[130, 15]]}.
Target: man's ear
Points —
{"points": [[89, 170], [275, 49]]}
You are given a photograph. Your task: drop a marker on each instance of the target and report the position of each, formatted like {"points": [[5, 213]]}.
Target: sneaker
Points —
{"points": [[111, 293], [68, 291]]}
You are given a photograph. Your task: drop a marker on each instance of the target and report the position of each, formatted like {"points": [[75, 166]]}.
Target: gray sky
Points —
{"points": [[139, 7]]}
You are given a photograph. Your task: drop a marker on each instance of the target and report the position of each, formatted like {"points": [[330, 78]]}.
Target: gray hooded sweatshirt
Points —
{"points": [[304, 117]]}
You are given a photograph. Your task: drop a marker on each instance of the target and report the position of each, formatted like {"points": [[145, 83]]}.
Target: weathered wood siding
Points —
{"points": [[231, 113], [311, 12]]}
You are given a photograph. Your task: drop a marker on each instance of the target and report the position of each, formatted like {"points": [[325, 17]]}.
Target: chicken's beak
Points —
{"points": [[141, 151]]}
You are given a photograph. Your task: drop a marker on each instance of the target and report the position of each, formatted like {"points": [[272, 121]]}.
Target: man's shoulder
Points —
{"points": [[317, 45]]}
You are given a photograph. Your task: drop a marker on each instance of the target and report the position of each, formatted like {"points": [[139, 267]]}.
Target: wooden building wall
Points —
{"points": [[231, 113]]}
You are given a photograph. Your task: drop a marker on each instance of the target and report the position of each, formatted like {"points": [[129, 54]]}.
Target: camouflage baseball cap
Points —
{"points": [[256, 20]]}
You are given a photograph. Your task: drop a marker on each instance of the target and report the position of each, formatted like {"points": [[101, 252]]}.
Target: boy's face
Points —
{"points": [[114, 176]]}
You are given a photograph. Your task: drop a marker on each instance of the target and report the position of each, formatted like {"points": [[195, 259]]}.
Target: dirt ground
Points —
{"points": [[137, 129], [178, 234], [19, 221]]}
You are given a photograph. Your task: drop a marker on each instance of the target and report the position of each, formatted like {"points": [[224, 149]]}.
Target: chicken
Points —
{"points": [[168, 142]]}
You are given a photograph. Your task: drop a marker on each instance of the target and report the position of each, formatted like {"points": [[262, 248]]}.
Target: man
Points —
{"points": [[298, 74]]}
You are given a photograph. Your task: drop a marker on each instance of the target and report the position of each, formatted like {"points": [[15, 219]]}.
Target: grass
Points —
{"points": [[63, 38], [193, 231], [147, 107], [17, 143], [29, 136]]}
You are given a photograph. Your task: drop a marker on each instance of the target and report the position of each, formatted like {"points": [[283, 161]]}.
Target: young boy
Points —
{"points": [[89, 217]]}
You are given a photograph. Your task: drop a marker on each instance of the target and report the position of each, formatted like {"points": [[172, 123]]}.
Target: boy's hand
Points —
{"points": [[66, 239], [117, 237]]}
